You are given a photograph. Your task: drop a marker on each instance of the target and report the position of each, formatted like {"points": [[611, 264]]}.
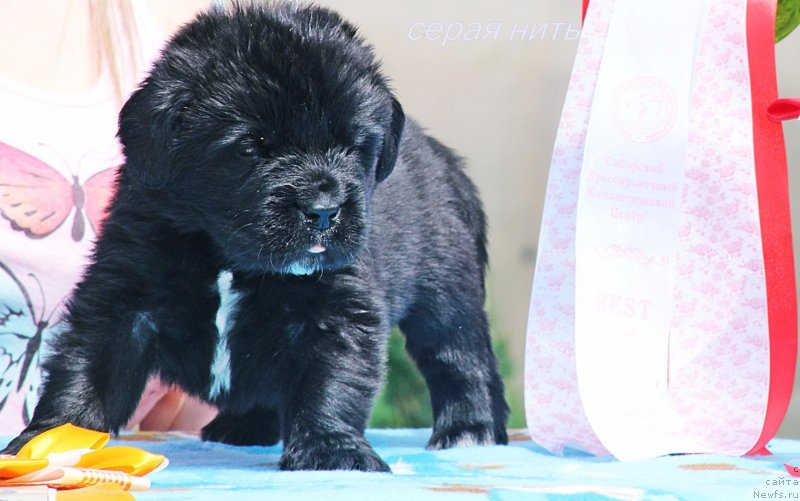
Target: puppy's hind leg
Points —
{"points": [[452, 349], [257, 426]]}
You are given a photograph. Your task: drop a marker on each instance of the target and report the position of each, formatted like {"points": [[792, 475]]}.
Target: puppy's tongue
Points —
{"points": [[316, 249]]}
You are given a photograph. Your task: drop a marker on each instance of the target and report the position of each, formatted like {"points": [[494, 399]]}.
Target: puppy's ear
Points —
{"points": [[148, 123], [391, 142]]}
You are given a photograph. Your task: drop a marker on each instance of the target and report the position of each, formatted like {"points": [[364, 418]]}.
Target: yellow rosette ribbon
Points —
{"points": [[74, 461]]}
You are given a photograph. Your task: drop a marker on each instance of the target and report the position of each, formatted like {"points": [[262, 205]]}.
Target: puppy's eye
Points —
{"points": [[268, 139], [247, 150], [258, 144]]}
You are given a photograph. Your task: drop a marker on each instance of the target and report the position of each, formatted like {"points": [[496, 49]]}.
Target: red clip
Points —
{"points": [[784, 109]]}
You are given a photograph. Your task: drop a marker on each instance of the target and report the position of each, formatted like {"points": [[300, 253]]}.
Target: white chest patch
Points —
{"points": [[300, 269], [221, 365]]}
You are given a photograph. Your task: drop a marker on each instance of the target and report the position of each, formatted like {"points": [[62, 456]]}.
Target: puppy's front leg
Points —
{"points": [[144, 305], [328, 408]]}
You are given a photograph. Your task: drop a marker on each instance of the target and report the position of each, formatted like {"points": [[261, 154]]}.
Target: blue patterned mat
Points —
{"points": [[201, 471]]}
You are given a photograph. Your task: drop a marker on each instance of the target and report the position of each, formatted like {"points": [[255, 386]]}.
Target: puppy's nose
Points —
{"points": [[321, 218]]}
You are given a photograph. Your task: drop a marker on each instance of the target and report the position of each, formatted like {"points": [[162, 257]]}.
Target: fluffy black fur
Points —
{"points": [[263, 133]]}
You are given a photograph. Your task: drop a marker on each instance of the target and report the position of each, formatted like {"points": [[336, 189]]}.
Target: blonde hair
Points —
{"points": [[117, 41]]}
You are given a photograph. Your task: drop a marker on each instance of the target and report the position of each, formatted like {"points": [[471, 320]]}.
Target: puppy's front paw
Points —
{"points": [[324, 453], [34, 429], [460, 435], [15, 445]]}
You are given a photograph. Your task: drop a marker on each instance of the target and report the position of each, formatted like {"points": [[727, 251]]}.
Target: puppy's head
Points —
{"points": [[268, 127]]}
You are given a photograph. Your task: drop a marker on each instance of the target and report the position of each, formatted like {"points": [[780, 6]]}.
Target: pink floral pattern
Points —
{"points": [[554, 411], [719, 338], [719, 355]]}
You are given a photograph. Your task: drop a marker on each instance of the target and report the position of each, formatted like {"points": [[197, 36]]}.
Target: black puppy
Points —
{"points": [[258, 251]]}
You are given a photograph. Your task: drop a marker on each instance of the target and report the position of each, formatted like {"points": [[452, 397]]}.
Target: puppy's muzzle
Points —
{"points": [[322, 209], [321, 218]]}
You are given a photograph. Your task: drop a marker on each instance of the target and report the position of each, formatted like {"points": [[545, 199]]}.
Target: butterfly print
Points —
{"points": [[21, 335], [37, 199]]}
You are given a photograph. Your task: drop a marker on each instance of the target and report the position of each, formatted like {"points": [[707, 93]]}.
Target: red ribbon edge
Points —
{"points": [[773, 205]]}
